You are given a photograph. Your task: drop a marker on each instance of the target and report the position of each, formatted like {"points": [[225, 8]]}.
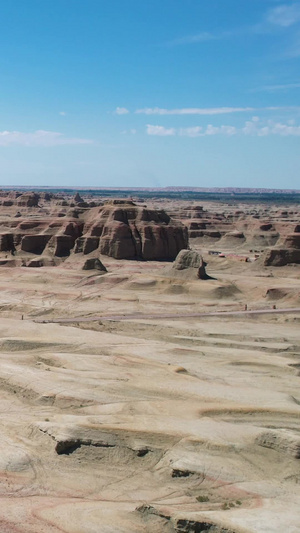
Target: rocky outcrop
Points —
{"points": [[262, 240], [86, 245], [28, 225], [280, 257], [292, 241], [233, 238], [77, 198], [128, 231], [60, 245], [46, 196], [266, 226], [94, 264], [117, 241], [281, 440], [278, 293], [58, 225], [189, 264], [34, 244], [28, 199], [7, 242], [195, 228], [74, 229], [119, 228], [38, 262]]}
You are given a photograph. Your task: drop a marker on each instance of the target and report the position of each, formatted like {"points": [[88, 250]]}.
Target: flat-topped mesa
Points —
{"points": [[128, 231]]}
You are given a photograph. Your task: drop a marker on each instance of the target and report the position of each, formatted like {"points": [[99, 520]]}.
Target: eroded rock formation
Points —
{"points": [[119, 229], [281, 257], [189, 264], [127, 231], [93, 263], [60, 225]]}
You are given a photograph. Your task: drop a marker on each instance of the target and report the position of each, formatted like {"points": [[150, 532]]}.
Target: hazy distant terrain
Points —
{"points": [[228, 194]]}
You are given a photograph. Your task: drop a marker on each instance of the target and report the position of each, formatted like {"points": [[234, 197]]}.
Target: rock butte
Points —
{"points": [[119, 229], [149, 424]]}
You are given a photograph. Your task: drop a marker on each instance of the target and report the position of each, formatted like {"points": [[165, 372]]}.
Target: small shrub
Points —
{"points": [[202, 499], [225, 507]]}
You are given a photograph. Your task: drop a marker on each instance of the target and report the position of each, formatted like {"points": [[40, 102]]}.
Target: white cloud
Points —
{"points": [[254, 127], [250, 127], [38, 138], [121, 111], [196, 131], [160, 131], [191, 132], [284, 129], [224, 130], [284, 15], [264, 131], [275, 88], [282, 108], [62, 113], [193, 111]]}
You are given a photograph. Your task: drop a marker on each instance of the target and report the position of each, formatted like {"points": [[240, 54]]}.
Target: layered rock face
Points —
{"points": [[288, 253], [127, 231], [292, 241], [251, 227], [280, 257], [60, 225], [28, 199], [119, 229]]}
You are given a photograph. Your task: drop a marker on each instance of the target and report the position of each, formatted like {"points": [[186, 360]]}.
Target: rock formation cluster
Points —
{"points": [[46, 228], [119, 229], [274, 232]]}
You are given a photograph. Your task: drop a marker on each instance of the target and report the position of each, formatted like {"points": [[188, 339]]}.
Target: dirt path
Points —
{"points": [[140, 316]]}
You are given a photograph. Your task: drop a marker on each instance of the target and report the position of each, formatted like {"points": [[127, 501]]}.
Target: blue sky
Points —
{"points": [[150, 93]]}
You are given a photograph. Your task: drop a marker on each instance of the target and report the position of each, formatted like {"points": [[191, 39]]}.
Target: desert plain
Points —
{"points": [[138, 396]]}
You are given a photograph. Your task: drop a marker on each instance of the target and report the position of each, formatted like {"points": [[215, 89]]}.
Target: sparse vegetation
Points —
{"points": [[225, 506], [202, 499]]}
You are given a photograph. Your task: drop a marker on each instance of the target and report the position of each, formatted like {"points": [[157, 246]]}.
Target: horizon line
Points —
{"points": [[229, 189]]}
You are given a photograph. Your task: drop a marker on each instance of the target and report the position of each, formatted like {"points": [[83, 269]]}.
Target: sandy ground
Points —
{"points": [[147, 425]]}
